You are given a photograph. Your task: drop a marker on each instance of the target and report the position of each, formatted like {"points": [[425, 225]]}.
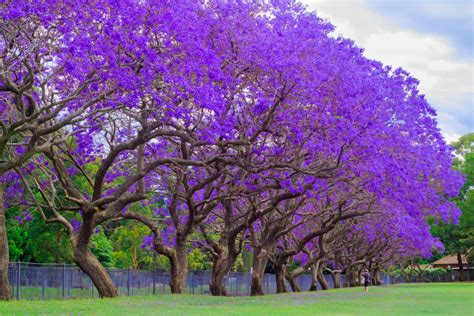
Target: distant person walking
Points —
{"points": [[366, 279]]}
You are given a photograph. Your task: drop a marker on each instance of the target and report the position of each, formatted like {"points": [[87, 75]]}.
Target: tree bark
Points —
{"points": [[353, 278], [461, 266], [260, 259], [336, 277], [5, 291], [376, 277], [347, 278], [314, 277], [322, 281], [216, 285], [179, 268], [280, 272], [294, 285], [96, 272], [221, 266], [88, 263], [227, 253]]}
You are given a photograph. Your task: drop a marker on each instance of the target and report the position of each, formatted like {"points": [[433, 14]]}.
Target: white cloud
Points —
{"points": [[446, 81], [447, 120]]}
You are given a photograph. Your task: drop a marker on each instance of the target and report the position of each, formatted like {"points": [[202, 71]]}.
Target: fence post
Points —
{"points": [[64, 279], [164, 283], [43, 284], [12, 286], [128, 282], [92, 287], [70, 282], [200, 283], [266, 283], [18, 283], [249, 278], [154, 281], [238, 283], [154, 272]]}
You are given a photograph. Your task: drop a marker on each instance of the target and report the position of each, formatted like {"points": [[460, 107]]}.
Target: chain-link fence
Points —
{"points": [[33, 281], [428, 276], [61, 281]]}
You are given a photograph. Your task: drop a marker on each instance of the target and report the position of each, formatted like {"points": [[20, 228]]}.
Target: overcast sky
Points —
{"points": [[431, 39]]}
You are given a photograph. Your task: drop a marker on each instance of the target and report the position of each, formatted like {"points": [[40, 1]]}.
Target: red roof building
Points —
{"points": [[450, 262]]}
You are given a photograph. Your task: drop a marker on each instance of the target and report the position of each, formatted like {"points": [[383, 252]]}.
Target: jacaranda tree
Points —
{"points": [[220, 124]]}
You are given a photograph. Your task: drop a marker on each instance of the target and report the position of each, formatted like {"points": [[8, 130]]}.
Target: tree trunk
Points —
{"points": [[294, 285], [354, 280], [322, 281], [314, 276], [179, 268], [461, 267], [5, 291], [280, 272], [260, 259], [351, 277], [358, 277], [347, 278], [376, 277], [336, 277], [221, 266], [216, 285], [88, 263], [314, 281], [96, 272]]}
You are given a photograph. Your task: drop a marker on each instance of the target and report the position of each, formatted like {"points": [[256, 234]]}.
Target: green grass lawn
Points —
{"points": [[408, 299]]}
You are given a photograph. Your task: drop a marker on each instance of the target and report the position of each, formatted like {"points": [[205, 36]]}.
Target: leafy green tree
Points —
{"points": [[33, 241], [459, 239], [102, 248], [127, 250], [198, 260]]}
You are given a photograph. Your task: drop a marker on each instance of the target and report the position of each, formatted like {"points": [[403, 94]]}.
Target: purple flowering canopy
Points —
{"points": [[237, 123]]}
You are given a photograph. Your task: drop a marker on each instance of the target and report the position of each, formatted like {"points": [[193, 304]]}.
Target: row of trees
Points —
{"points": [[224, 125]]}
